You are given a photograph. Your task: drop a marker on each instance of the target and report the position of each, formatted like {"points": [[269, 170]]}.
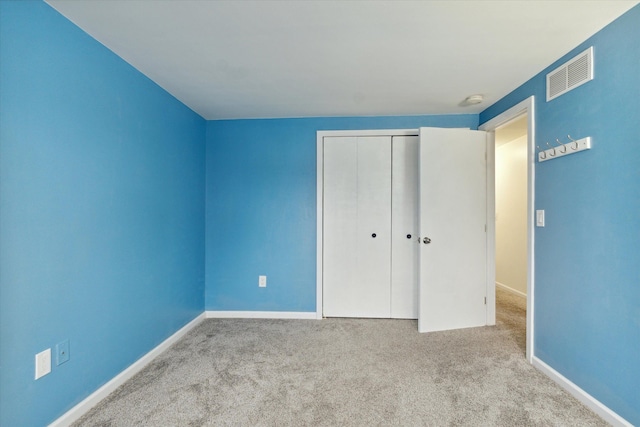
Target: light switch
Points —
{"points": [[43, 363], [540, 218]]}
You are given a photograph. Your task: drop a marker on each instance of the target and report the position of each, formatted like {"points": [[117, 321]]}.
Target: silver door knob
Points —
{"points": [[426, 240]]}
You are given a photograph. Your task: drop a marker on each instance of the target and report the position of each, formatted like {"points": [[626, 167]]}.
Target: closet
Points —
{"points": [[370, 226]]}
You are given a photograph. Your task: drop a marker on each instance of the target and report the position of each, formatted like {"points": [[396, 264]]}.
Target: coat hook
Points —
{"points": [[554, 150], [574, 142], [561, 145], [543, 154]]}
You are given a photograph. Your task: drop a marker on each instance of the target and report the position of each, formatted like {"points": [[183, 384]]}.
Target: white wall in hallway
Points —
{"points": [[511, 214]]}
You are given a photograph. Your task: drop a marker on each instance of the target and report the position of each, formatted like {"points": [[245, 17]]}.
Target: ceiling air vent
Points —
{"points": [[570, 75]]}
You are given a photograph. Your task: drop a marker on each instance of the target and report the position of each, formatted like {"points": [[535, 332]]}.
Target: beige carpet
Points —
{"points": [[344, 372]]}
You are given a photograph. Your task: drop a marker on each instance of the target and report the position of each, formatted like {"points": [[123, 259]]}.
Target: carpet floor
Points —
{"points": [[344, 372]]}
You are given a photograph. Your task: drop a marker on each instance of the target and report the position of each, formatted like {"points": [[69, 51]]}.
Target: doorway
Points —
{"points": [[524, 108], [511, 226]]}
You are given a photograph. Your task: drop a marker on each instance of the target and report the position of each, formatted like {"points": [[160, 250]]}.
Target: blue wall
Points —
{"points": [[261, 207], [102, 226], [587, 289]]}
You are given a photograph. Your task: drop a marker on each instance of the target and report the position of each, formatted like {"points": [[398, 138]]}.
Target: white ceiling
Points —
{"points": [[249, 59]]}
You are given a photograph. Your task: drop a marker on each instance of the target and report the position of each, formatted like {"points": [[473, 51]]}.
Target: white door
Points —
{"points": [[404, 217], [453, 261], [357, 226]]}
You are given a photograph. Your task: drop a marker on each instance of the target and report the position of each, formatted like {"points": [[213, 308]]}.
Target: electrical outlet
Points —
{"points": [[62, 352], [43, 363], [262, 281]]}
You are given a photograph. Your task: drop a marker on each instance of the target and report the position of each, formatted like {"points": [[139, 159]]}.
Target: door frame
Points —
{"points": [[526, 106], [320, 135]]}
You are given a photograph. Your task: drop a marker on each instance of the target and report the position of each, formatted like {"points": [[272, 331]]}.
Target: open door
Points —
{"points": [[453, 233]]}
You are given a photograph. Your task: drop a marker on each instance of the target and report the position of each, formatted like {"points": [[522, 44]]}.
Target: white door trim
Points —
{"points": [[320, 135], [526, 106]]}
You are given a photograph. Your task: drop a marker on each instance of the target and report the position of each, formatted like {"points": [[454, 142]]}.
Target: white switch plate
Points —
{"points": [[262, 281], [540, 218], [43, 363]]}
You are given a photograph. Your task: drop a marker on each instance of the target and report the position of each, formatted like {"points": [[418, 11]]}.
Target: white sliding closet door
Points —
{"points": [[404, 213], [357, 226]]}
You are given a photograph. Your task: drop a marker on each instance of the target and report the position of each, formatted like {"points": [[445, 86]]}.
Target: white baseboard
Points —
{"points": [[261, 315], [589, 401], [93, 399], [508, 289]]}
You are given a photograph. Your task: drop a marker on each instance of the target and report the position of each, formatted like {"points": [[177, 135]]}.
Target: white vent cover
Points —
{"points": [[570, 75]]}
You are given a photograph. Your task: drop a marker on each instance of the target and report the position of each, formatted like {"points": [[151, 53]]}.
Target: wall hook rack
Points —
{"points": [[574, 146]]}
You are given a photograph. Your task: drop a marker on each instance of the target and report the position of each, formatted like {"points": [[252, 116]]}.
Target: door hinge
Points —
{"points": [[485, 300], [485, 228]]}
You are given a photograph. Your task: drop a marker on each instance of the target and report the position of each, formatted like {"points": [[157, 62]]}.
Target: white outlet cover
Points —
{"points": [[43, 363], [262, 281]]}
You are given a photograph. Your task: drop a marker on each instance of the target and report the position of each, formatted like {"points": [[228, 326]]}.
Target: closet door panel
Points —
{"points": [[357, 194], [404, 212], [339, 228], [374, 227]]}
